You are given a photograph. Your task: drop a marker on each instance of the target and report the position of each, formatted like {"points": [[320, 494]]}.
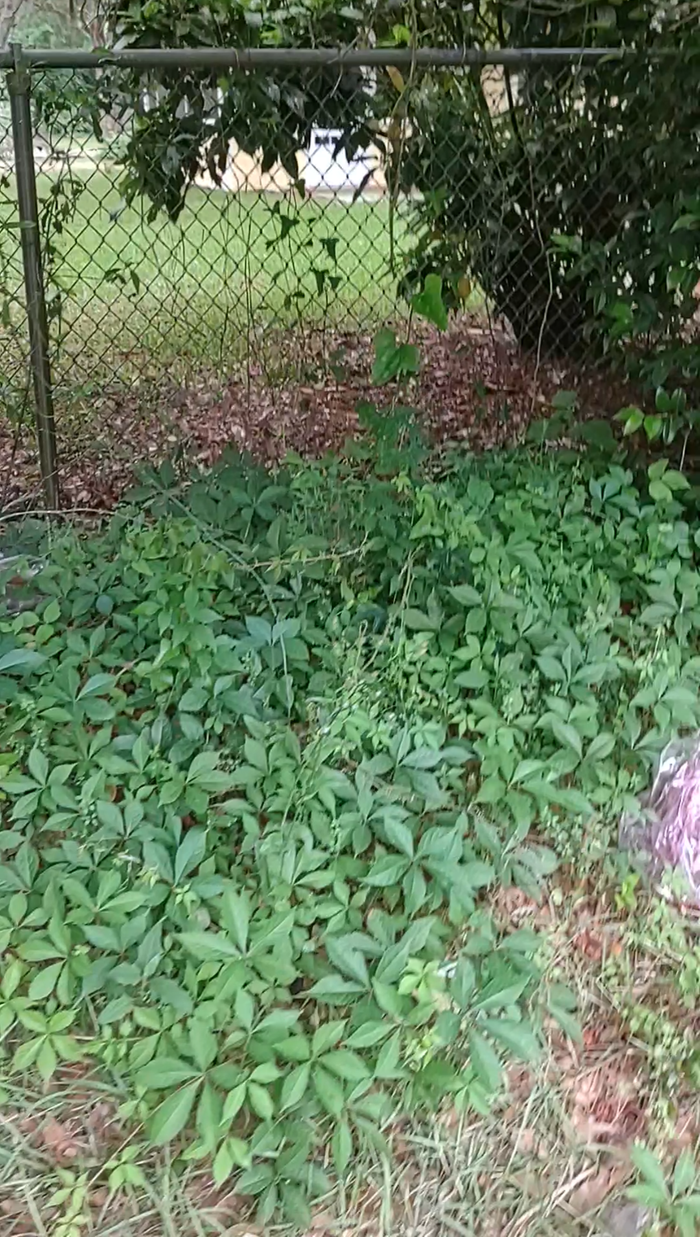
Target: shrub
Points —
{"points": [[573, 205], [265, 746]]}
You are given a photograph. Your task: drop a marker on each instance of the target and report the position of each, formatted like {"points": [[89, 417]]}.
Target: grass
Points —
{"points": [[137, 295]]}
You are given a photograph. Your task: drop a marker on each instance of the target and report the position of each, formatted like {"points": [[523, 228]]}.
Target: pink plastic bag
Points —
{"points": [[664, 837]]}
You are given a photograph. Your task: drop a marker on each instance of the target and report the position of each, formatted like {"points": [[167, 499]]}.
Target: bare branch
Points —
{"points": [[9, 12]]}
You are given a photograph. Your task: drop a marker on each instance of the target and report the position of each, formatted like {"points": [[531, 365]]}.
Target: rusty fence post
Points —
{"points": [[19, 85]]}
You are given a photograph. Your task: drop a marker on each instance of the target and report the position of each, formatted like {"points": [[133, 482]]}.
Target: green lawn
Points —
{"points": [[210, 289], [202, 288]]}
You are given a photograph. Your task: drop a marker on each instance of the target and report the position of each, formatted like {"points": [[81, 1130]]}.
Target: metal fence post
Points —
{"points": [[18, 83]]}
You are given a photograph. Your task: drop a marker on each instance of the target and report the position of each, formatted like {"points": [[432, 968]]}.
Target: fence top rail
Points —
{"points": [[300, 57]]}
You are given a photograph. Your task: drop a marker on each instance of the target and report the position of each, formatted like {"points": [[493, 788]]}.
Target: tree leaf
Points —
{"points": [[486, 1063], [429, 304], [190, 853], [206, 946], [466, 596], [235, 916], [649, 1167], [341, 1147], [399, 836], [294, 1087], [348, 960], [44, 982], [260, 1101], [164, 1072], [97, 685], [684, 1173], [224, 1163], [518, 1037], [193, 700], [329, 1091], [500, 993], [369, 1034], [346, 1064], [209, 1114], [38, 765], [21, 659], [391, 359], [171, 1117], [203, 1044], [234, 1101], [567, 735], [387, 870]]}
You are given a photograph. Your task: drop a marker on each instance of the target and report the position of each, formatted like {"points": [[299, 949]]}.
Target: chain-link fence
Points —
{"points": [[211, 231]]}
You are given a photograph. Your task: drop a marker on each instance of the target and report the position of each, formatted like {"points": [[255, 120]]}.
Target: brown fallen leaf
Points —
{"points": [[13, 1206], [474, 386], [591, 1194], [60, 1141], [322, 1221], [101, 1122], [520, 1082], [529, 1142], [590, 943], [99, 1198]]}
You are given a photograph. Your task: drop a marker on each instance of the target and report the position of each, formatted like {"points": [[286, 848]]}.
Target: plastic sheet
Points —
{"points": [[664, 837]]}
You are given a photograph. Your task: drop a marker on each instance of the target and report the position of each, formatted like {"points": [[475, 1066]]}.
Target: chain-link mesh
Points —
{"points": [[530, 194], [246, 258]]}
